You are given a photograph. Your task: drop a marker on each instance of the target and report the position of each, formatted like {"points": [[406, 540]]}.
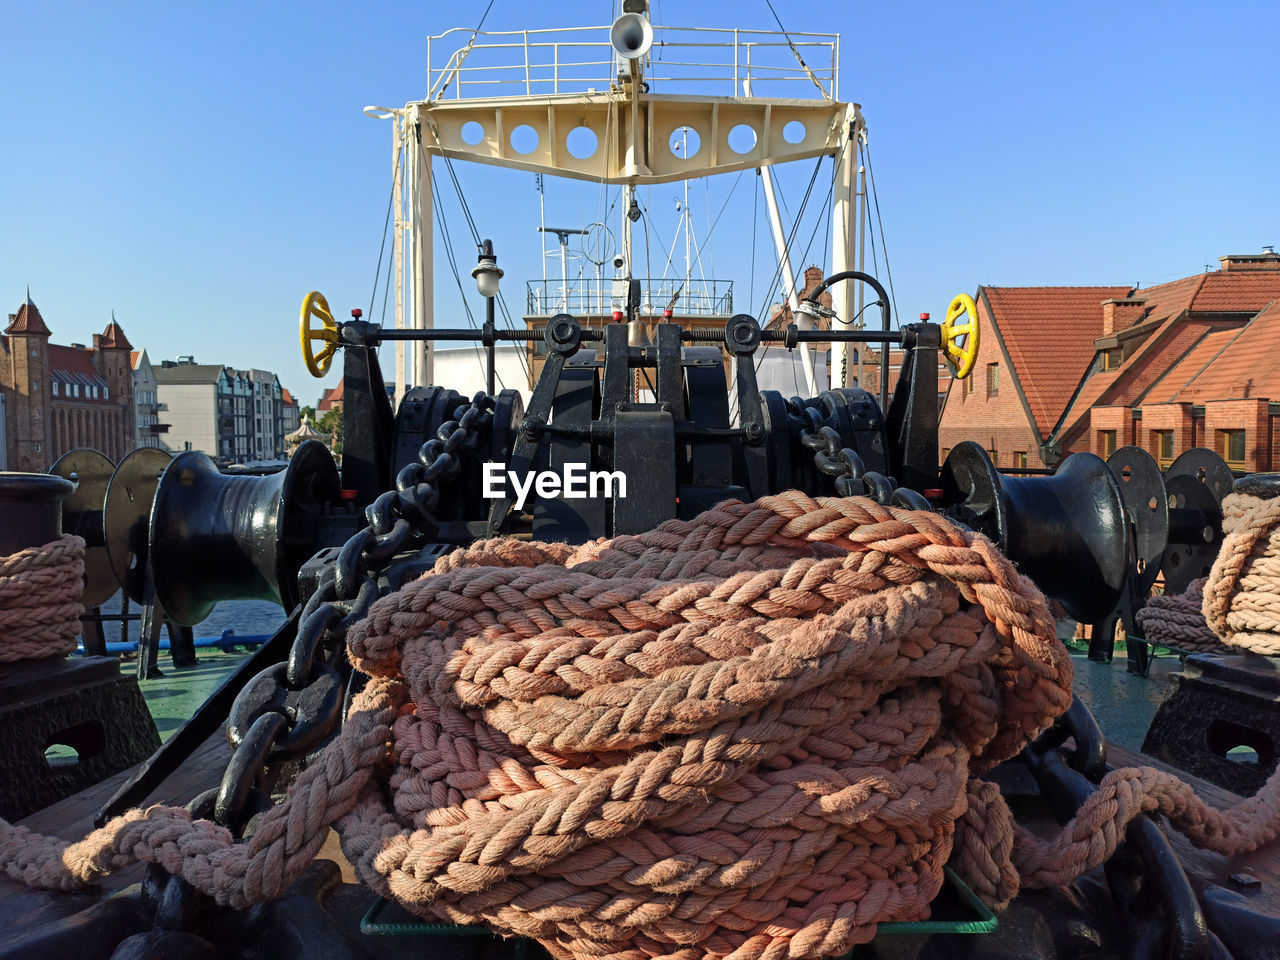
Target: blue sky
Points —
{"points": [[199, 168]]}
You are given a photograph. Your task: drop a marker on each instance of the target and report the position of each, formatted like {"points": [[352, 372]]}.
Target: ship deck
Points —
{"points": [[1122, 702]]}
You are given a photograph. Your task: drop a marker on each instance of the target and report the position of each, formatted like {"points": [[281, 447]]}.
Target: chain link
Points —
{"points": [[850, 476], [290, 708]]}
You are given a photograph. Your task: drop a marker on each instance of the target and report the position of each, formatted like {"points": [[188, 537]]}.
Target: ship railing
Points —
{"points": [[696, 297], [708, 61]]}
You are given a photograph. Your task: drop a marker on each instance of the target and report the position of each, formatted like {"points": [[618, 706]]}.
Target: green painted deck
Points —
{"points": [[176, 696]]}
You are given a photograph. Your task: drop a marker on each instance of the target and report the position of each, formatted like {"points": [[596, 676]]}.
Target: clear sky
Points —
{"points": [[197, 168]]}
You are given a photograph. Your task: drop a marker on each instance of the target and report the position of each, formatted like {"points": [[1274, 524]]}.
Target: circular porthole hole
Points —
{"points": [[582, 143], [742, 139], [524, 139], [471, 133], [685, 142]]}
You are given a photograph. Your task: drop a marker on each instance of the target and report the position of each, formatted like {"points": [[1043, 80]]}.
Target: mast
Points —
{"points": [[629, 103], [788, 279], [846, 245]]}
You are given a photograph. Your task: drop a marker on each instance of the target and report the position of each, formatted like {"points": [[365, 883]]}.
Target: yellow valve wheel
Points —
{"points": [[960, 336], [315, 305]]}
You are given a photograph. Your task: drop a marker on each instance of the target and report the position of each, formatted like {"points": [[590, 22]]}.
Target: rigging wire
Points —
{"points": [[509, 323], [777, 273], [457, 277], [383, 248], [465, 51], [755, 223], [800, 59], [884, 243]]}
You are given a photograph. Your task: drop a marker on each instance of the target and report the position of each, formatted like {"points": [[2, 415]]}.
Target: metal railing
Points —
{"points": [[697, 297], [710, 61]]}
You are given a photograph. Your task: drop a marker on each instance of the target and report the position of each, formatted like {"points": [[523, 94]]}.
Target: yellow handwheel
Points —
{"points": [[315, 305], [961, 324]]}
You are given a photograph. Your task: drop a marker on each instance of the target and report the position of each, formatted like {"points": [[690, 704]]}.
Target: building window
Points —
{"points": [[1020, 459], [35, 386], [1233, 448], [106, 393], [1162, 440], [993, 379], [54, 387], [1106, 443], [1111, 359], [994, 454]]}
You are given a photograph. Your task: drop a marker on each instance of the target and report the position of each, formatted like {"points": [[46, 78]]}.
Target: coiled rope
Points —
{"points": [[40, 590], [1177, 620], [1242, 595], [749, 735]]}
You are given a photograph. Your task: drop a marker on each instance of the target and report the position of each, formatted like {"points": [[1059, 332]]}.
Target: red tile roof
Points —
{"points": [[1169, 299], [1049, 334], [1237, 292], [331, 396], [113, 337], [284, 395], [1246, 368], [71, 360], [28, 320], [1152, 360], [1168, 387]]}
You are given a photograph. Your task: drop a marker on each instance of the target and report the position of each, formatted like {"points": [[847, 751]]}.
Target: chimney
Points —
{"points": [[97, 341], [1268, 259], [1121, 313]]}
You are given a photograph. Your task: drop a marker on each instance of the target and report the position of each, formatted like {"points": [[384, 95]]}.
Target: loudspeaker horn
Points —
{"points": [[1066, 531], [631, 35], [220, 537]]}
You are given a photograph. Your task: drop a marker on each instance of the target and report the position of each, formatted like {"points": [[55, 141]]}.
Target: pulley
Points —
{"points": [[1066, 532], [130, 491], [1195, 485], [1144, 497], [217, 537], [82, 514]]}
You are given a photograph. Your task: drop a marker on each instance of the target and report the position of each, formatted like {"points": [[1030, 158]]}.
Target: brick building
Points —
{"points": [[57, 398], [1170, 367]]}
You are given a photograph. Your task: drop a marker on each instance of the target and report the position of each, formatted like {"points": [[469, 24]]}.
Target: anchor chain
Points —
{"points": [[291, 708], [849, 474]]}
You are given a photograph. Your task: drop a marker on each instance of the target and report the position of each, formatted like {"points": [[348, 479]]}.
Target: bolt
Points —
{"points": [[531, 426], [562, 332], [742, 334], [755, 432]]}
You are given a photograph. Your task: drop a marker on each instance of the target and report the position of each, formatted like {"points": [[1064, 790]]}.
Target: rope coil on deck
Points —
{"points": [[40, 590], [749, 735], [1177, 620], [1242, 595]]}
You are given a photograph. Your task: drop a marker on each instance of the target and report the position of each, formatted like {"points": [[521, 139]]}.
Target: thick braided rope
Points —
{"points": [[748, 735], [749, 732], [286, 839], [1177, 620], [40, 589], [1242, 596]]}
